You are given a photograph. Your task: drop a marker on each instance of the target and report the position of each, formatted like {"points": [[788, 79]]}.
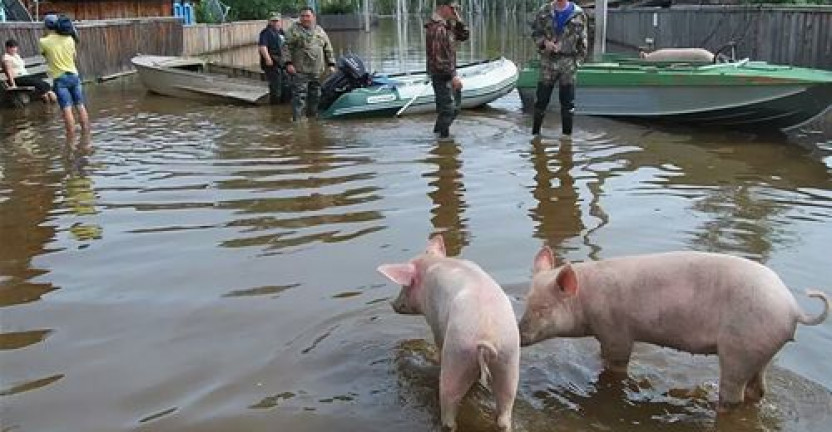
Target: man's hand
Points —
{"points": [[269, 61], [331, 69], [456, 83], [290, 69], [550, 46]]}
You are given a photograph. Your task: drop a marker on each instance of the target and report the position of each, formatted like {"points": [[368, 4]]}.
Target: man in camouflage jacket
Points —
{"points": [[559, 32], [310, 53], [442, 32]]}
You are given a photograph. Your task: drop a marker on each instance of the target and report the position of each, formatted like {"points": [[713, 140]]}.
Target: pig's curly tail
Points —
{"points": [[809, 320], [486, 353]]}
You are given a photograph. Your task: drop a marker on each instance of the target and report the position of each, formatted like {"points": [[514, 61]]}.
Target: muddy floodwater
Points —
{"points": [[212, 268]]}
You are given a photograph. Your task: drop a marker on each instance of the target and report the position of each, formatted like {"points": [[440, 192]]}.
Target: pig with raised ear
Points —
{"points": [[473, 325], [701, 303]]}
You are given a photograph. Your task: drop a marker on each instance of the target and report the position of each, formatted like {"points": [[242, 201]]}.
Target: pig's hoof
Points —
{"points": [[727, 407], [504, 423], [617, 367]]}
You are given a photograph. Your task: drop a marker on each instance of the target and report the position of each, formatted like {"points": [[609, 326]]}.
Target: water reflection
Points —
{"points": [[27, 194], [741, 219], [557, 213], [448, 196], [17, 340], [729, 180], [79, 193], [308, 191]]}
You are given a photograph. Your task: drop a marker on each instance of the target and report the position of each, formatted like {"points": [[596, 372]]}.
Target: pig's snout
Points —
{"points": [[400, 307], [397, 307], [527, 339], [527, 336]]}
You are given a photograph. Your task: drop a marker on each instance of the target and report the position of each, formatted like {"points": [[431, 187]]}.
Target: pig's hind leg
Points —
{"points": [[738, 369], [756, 387], [458, 373], [742, 370], [504, 385]]}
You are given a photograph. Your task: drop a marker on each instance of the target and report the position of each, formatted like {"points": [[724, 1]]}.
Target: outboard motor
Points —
{"points": [[350, 74]]}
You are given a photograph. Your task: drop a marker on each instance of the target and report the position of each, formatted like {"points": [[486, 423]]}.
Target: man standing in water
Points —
{"points": [[310, 53], [442, 32], [59, 51], [559, 32], [272, 54]]}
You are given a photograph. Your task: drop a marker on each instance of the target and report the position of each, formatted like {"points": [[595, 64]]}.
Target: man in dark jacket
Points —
{"points": [[559, 32], [273, 55], [442, 32]]}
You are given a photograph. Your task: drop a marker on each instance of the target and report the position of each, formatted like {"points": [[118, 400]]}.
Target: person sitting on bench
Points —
{"points": [[16, 72]]}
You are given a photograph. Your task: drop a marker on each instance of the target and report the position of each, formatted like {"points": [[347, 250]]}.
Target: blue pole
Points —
{"points": [[177, 11], [188, 9]]}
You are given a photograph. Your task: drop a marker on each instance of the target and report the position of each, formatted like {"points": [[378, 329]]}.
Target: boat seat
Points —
{"points": [[19, 96], [693, 55]]}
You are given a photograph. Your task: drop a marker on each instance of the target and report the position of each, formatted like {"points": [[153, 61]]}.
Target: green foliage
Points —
{"points": [[338, 7], [261, 9], [204, 14]]}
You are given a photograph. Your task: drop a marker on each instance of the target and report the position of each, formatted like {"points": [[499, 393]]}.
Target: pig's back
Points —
{"points": [[687, 300], [472, 307]]}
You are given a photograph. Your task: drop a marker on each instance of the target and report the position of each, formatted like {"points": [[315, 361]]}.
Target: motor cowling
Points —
{"points": [[349, 75]]}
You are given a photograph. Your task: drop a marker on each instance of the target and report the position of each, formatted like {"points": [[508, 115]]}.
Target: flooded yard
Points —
{"points": [[212, 268]]}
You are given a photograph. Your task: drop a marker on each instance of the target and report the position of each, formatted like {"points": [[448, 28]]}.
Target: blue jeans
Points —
{"points": [[69, 90]]}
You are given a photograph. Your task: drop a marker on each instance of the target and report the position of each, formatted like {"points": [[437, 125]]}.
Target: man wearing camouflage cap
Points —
{"points": [[310, 55], [273, 55]]}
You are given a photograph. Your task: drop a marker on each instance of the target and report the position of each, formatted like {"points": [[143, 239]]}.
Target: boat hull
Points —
{"points": [[481, 83], [780, 108], [187, 78], [730, 97]]}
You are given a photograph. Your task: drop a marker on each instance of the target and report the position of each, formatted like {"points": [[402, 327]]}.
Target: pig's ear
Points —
{"points": [[544, 260], [567, 280], [436, 246], [401, 274]]}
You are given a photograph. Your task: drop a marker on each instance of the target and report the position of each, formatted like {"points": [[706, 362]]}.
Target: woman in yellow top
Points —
{"points": [[60, 53]]}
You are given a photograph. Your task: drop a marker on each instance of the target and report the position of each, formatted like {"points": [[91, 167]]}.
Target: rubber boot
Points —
{"points": [[566, 94], [538, 122], [544, 93]]}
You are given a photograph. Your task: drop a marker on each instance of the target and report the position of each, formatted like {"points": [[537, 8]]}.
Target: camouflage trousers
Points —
{"points": [[563, 72], [306, 94], [448, 103], [561, 69]]}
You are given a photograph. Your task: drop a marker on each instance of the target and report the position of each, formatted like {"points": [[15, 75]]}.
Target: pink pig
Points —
{"points": [[473, 326], [702, 303]]}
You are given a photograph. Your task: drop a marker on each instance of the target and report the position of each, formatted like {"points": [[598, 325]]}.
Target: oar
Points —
{"points": [[410, 102]]}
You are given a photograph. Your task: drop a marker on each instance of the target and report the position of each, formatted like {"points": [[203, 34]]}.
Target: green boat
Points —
{"points": [[740, 94]]}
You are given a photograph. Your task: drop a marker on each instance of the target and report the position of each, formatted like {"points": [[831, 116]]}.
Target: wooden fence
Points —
{"points": [[97, 9], [106, 47], [210, 38], [800, 36]]}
